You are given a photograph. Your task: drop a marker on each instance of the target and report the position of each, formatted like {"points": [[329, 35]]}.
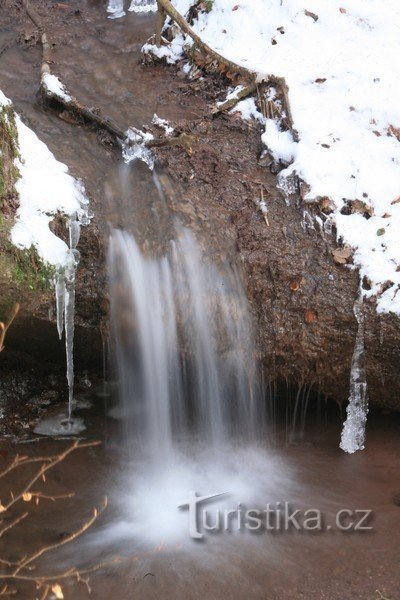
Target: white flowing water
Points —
{"points": [[353, 434], [183, 346]]}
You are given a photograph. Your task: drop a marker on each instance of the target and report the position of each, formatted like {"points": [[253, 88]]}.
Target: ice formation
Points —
{"points": [[45, 189], [353, 433]]}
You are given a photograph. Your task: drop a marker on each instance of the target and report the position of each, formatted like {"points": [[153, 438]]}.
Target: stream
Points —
{"points": [[176, 419]]}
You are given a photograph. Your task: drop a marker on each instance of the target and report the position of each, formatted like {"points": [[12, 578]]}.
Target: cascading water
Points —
{"points": [[185, 361]]}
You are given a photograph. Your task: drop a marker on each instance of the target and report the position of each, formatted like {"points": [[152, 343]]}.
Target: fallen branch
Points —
{"points": [[231, 103]]}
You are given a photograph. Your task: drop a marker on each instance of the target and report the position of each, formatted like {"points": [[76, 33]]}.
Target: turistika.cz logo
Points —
{"points": [[274, 517]]}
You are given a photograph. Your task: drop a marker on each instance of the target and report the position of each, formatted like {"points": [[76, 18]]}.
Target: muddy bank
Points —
{"points": [[302, 300]]}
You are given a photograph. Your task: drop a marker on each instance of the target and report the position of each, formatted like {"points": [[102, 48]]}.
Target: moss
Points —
{"points": [[208, 5], [21, 269], [30, 271], [9, 151]]}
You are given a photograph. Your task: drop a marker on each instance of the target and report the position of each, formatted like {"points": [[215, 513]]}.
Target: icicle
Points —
{"points": [[116, 9], [288, 183], [69, 318], [143, 6], [65, 295], [353, 433], [60, 301]]}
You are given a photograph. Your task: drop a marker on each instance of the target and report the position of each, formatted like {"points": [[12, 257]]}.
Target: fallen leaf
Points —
{"points": [[294, 286], [395, 131], [361, 207], [235, 7], [326, 205], [341, 255], [310, 315], [343, 11], [57, 591], [381, 231]]}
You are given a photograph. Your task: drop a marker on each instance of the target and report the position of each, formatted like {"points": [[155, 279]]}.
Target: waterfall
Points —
{"points": [[183, 345], [353, 433]]}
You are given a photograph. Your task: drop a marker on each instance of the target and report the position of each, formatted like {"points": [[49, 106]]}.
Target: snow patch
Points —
{"points": [[53, 85], [344, 92], [45, 188], [280, 143]]}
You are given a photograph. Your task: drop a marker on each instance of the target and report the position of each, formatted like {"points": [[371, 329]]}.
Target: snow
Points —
{"points": [[45, 189], [52, 84], [162, 124], [248, 110], [344, 89], [280, 143]]}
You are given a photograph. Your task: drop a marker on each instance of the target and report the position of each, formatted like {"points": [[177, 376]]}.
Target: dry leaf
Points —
{"points": [[57, 591], [343, 11], [394, 131], [310, 315], [326, 205], [341, 255], [235, 7], [294, 286]]}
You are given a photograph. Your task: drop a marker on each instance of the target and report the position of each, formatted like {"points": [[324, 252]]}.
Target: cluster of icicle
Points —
{"points": [[353, 433], [65, 293], [115, 8]]}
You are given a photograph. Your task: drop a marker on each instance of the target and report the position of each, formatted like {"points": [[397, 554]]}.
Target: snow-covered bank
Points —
{"points": [[44, 189], [344, 92]]}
